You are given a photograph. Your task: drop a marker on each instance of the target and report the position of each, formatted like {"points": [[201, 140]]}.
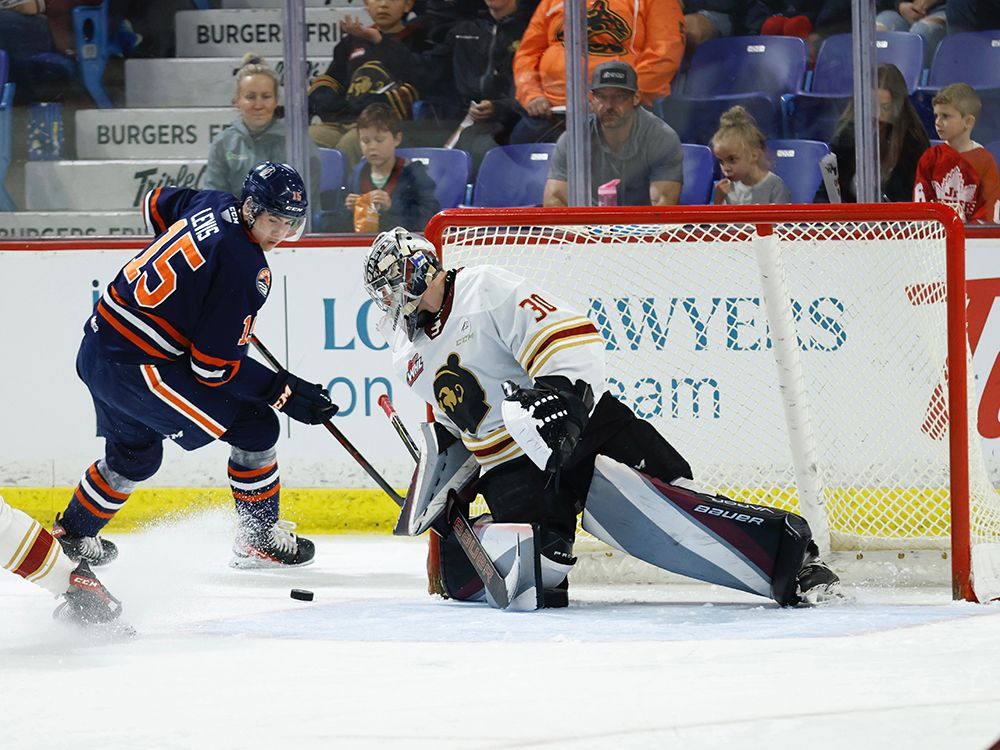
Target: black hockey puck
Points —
{"points": [[302, 595]]}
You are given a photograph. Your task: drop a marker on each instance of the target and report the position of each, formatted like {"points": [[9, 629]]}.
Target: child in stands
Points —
{"points": [[377, 64], [387, 190], [959, 172], [738, 144]]}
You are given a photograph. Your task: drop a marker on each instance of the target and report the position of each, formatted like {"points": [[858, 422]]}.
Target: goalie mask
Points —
{"points": [[397, 272], [278, 190]]}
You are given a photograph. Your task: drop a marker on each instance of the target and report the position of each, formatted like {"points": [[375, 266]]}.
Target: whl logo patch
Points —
{"points": [[413, 369]]}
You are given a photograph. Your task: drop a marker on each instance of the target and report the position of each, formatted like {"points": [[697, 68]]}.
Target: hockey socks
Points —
{"points": [[100, 495], [254, 480]]}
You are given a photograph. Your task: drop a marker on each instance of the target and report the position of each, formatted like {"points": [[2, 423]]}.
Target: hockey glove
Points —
{"points": [[304, 402], [546, 421]]}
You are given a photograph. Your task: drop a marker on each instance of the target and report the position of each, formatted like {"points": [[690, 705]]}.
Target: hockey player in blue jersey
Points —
{"points": [[165, 356]]}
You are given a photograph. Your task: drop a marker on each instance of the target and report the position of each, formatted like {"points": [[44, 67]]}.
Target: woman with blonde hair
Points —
{"points": [[256, 135], [738, 144]]}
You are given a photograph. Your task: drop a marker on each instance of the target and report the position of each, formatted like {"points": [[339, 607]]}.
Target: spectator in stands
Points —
{"points": [[738, 144], [627, 143], [972, 15], [371, 64], [710, 19], [647, 34], [24, 32], [926, 18], [257, 135], [387, 190], [813, 20], [902, 140], [960, 171], [481, 55]]}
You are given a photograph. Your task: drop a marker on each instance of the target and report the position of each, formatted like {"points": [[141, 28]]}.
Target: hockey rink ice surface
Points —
{"points": [[226, 659]]}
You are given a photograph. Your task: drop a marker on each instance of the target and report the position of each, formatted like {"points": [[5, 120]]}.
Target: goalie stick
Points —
{"points": [[341, 437], [460, 526]]}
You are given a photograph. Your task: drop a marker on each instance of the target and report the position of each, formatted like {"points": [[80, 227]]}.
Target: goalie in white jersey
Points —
{"points": [[516, 381]]}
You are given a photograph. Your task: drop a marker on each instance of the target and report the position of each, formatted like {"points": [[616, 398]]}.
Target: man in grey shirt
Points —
{"points": [[626, 143]]}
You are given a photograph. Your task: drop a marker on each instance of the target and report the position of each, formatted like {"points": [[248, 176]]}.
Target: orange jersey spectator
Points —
{"points": [[647, 34]]}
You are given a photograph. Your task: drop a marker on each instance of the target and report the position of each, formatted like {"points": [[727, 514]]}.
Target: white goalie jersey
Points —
{"points": [[493, 327]]}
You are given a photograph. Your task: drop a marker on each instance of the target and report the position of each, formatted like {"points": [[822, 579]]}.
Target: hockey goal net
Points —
{"points": [[808, 357]]}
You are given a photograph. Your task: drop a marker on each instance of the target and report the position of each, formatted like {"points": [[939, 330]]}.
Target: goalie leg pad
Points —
{"points": [[708, 538], [534, 578], [445, 465]]}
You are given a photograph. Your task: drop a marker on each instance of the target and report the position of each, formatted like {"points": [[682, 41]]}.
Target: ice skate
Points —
{"points": [[89, 603], [95, 550], [817, 583], [275, 547]]}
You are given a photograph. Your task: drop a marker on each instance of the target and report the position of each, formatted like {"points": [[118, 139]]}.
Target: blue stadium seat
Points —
{"points": [[696, 120], [90, 27], [6, 109], [331, 179], [971, 57], [513, 176], [448, 167], [754, 71], [699, 168], [797, 163], [813, 112], [834, 70]]}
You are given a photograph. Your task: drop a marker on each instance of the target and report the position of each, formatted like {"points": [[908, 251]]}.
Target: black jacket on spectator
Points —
{"points": [[482, 54], [362, 74]]}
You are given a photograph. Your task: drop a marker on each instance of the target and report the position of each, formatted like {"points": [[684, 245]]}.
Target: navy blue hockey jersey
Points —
{"points": [[193, 293]]}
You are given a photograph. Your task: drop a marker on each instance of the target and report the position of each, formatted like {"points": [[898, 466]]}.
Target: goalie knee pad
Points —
{"points": [[534, 565]]}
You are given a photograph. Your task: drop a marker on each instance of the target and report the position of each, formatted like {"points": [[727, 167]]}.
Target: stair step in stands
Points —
{"points": [[111, 184]]}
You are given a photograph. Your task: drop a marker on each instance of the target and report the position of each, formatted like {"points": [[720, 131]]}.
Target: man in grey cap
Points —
{"points": [[627, 143]]}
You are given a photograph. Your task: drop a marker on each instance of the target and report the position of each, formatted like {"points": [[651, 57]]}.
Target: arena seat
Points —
{"points": [[448, 167], [813, 112], [90, 27], [6, 110], [971, 57], [699, 170], [753, 71], [796, 162], [513, 175]]}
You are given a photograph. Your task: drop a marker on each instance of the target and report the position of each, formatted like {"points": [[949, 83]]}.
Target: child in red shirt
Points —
{"points": [[959, 172]]}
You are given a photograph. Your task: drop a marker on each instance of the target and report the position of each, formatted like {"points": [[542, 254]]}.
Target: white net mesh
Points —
{"points": [[690, 349]]}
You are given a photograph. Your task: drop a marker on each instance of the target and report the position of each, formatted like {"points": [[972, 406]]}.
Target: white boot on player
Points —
{"points": [[271, 547]]}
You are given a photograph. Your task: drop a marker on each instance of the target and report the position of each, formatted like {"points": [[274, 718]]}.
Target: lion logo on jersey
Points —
{"points": [[459, 395], [264, 281]]}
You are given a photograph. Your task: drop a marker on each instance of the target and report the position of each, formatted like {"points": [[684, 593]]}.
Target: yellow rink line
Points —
{"points": [[316, 511]]}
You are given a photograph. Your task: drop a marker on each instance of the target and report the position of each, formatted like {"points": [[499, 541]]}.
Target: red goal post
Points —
{"points": [[830, 340]]}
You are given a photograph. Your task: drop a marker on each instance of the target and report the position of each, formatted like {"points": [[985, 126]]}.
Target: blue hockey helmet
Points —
{"points": [[277, 189]]}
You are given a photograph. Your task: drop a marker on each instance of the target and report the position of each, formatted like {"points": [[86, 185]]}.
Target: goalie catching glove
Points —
{"points": [[302, 401], [546, 421]]}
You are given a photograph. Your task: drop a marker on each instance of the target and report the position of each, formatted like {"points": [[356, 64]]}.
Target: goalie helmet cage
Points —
{"points": [[808, 357]]}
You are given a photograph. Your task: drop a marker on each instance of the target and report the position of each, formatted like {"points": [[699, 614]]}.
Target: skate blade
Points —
{"points": [[115, 630], [827, 593], [241, 562]]}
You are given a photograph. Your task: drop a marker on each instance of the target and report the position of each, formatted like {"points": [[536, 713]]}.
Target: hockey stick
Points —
{"points": [[473, 548], [341, 438], [397, 423]]}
